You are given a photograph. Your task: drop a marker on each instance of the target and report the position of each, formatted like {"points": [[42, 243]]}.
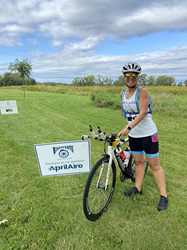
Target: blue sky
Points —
{"points": [[150, 42], [67, 39]]}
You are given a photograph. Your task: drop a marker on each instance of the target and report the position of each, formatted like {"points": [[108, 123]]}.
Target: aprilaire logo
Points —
{"points": [[63, 151], [65, 167]]}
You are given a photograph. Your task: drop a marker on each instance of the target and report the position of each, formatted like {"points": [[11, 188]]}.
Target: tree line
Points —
{"points": [[14, 79], [23, 71], [144, 80], [91, 80]]}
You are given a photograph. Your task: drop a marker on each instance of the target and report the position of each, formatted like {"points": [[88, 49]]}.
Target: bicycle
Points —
{"points": [[101, 181]]}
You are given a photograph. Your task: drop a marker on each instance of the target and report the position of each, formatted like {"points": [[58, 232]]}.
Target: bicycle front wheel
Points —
{"points": [[96, 197]]}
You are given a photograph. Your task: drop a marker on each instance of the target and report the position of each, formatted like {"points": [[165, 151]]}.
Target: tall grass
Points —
{"points": [[38, 218], [170, 100], [99, 89]]}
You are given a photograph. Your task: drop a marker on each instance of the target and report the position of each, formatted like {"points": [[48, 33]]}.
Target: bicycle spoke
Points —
{"points": [[96, 201]]}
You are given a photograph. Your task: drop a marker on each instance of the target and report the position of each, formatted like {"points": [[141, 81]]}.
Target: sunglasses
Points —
{"points": [[128, 75]]}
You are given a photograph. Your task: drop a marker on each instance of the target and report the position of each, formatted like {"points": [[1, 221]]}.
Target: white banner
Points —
{"points": [[8, 107], [63, 158]]}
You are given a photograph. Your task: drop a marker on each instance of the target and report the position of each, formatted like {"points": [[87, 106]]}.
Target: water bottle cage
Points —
{"points": [[121, 162]]}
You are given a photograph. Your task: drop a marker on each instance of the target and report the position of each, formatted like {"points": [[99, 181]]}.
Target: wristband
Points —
{"points": [[129, 128]]}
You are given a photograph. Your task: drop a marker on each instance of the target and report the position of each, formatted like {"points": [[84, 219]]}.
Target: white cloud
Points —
{"points": [[15, 30], [33, 41], [65, 65], [62, 20], [9, 41], [76, 27], [56, 43], [3, 68]]}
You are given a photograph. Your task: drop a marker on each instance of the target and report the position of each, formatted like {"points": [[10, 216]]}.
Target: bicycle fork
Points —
{"points": [[112, 156]]}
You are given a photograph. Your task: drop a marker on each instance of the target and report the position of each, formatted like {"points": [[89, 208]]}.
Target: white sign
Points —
{"points": [[8, 107], [63, 158]]}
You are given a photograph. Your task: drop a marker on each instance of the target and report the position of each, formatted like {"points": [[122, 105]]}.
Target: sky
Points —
{"points": [[64, 39]]}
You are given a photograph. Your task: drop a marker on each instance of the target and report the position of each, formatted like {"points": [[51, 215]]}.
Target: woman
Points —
{"points": [[142, 133]]}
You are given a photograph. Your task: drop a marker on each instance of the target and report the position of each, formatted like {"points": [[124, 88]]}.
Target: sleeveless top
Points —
{"points": [[146, 126]]}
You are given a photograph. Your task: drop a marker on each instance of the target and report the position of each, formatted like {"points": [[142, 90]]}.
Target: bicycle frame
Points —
{"points": [[112, 156]]}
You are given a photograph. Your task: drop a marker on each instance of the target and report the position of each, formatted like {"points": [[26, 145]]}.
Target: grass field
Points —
{"points": [[38, 218]]}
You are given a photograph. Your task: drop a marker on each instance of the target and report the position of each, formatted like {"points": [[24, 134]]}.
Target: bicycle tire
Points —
{"points": [[96, 199], [133, 167]]}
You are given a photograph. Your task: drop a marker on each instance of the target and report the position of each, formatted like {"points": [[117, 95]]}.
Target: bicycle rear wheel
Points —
{"points": [[96, 198]]}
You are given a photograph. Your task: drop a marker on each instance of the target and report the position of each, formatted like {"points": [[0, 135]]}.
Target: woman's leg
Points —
{"points": [[139, 170], [158, 174], [139, 174]]}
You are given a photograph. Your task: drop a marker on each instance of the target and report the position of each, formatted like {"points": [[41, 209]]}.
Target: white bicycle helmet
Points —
{"points": [[131, 67]]}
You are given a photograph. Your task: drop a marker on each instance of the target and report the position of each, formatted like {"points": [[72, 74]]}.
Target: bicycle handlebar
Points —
{"points": [[84, 137], [122, 142], [107, 138]]}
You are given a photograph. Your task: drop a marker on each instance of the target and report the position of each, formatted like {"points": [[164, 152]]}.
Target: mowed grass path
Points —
{"points": [[39, 219]]}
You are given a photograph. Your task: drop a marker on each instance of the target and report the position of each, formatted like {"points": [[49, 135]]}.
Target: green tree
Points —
{"points": [[103, 80], [151, 80], [120, 81], [2, 81], [88, 80], [185, 83], [142, 79], [14, 79], [91, 80], [24, 68], [32, 81], [77, 81], [10, 79], [180, 84], [99, 80], [108, 81], [165, 80], [6, 80]]}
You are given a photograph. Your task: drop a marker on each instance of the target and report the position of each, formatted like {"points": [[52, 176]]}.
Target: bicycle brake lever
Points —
{"points": [[92, 132], [101, 133]]}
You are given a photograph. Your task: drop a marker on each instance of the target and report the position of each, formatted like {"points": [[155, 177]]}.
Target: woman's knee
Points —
{"points": [[139, 163], [156, 168]]}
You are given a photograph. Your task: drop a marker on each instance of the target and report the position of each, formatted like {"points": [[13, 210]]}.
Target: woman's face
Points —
{"points": [[131, 79]]}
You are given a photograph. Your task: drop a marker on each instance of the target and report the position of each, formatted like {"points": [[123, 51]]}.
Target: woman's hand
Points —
{"points": [[124, 132]]}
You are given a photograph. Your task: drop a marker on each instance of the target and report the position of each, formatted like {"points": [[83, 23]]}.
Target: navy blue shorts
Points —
{"points": [[148, 144]]}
